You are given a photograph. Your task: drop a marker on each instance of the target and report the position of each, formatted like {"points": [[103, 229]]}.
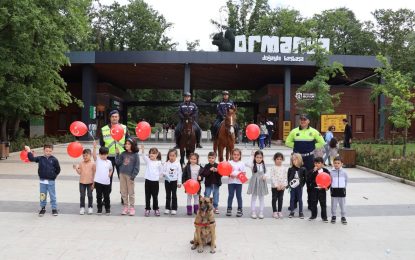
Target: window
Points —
{"points": [[360, 123]]}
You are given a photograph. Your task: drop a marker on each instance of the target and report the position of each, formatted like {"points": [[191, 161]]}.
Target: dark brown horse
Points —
{"points": [[187, 139], [226, 135]]}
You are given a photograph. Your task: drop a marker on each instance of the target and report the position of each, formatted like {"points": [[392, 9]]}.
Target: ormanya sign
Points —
{"points": [[275, 44]]}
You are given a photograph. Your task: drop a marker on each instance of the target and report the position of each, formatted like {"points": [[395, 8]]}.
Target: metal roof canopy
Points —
{"points": [[208, 70]]}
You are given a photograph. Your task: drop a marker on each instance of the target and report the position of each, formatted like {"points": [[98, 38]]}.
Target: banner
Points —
{"points": [[332, 120]]}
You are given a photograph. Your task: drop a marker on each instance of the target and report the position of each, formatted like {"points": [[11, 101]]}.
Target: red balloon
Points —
{"points": [[143, 130], [23, 156], [75, 149], [191, 186], [323, 180], [78, 128], [117, 132], [252, 131], [224, 168]]}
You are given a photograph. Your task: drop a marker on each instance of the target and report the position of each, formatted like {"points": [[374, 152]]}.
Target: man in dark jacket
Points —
{"points": [[347, 133], [48, 170]]}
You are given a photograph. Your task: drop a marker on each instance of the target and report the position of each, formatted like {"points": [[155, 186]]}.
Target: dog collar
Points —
{"points": [[204, 224]]}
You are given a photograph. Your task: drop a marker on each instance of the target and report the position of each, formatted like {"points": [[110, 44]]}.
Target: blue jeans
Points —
{"points": [[296, 194], [326, 153], [215, 189], [262, 141], [232, 188], [44, 189]]}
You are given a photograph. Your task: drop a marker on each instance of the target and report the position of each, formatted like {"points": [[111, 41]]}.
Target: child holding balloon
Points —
{"points": [[258, 183], [86, 170], [317, 192], [213, 180], [49, 169], [192, 171], [129, 164], [235, 184], [172, 172], [152, 177]]}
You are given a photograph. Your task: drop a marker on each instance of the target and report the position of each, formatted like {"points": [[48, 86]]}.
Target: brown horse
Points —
{"points": [[187, 139], [226, 135]]}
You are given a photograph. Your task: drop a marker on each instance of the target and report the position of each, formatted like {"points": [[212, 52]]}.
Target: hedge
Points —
{"points": [[36, 142]]}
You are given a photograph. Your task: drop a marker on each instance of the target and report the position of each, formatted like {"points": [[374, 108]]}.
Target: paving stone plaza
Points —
{"points": [[380, 214]]}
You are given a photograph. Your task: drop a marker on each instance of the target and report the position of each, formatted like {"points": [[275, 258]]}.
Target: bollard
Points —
{"points": [[164, 135], [208, 136], [172, 136]]}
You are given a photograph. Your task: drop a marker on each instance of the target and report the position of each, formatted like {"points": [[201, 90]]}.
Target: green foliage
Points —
{"points": [[399, 88], [192, 46], [32, 47], [36, 142], [135, 26], [386, 159], [324, 102]]}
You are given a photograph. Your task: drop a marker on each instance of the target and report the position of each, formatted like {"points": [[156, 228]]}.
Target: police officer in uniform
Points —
{"points": [[188, 108], [304, 139], [221, 109], [107, 140]]}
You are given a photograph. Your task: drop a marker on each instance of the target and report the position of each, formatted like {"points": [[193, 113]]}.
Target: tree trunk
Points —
{"points": [[3, 130], [405, 137], [16, 127]]}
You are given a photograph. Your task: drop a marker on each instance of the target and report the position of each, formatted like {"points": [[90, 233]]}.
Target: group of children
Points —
{"points": [[97, 175]]}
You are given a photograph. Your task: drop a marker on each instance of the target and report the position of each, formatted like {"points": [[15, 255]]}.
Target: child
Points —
{"points": [[338, 190], [296, 180], [86, 170], [234, 184], [317, 194], [152, 177], [263, 135], [258, 183], [212, 180], [333, 150], [172, 172], [128, 164], [102, 181], [192, 171], [48, 170], [278, 175]]}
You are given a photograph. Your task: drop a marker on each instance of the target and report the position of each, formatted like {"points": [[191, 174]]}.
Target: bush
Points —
{"points": [[36, 142], [386, 160]]}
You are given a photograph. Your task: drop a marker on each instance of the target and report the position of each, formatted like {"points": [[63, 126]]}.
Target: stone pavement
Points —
{"points": [[381, 216]]}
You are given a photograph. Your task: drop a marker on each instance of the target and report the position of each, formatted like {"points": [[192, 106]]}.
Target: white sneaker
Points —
{"points": [[90, 211], [261, 215], [253, 215], [167, 211], [82, 211], [173, 212]]}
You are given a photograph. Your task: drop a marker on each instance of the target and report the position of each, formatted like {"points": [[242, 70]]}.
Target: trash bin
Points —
{"points": [[4, 150], [348, 156]]}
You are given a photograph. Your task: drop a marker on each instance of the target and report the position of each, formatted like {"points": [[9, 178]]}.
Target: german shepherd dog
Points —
{"points": [[205, 232]]}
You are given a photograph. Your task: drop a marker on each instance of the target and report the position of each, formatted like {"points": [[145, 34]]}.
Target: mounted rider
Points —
{"points": [[222, 109], [188, 109]]}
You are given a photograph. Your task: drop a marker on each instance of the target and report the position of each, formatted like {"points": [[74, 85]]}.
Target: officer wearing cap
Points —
{"points": [[304, 140], [222, 108], [107, 140], [188, 109]]}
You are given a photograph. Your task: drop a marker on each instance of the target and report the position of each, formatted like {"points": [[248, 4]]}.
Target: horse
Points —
{"points": [[226, 135], [187, 139]]}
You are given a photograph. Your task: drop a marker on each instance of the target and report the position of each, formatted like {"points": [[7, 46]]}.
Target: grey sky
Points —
{"points": [[191, 18]]}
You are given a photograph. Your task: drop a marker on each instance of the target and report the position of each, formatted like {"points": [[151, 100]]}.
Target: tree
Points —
{"points": [[348, 36], [34, 36], [192, 46], [324, 102], [399, 88]]}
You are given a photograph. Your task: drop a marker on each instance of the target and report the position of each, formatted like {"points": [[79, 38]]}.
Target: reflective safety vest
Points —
{"points": [[109, 142], [304, 141]]}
